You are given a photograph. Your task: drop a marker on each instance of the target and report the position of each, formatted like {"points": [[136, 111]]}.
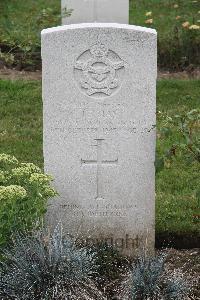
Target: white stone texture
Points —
{"points": [[99, 94], [88, 11]]}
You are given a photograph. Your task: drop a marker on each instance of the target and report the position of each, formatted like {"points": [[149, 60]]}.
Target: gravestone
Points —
{"points": [[82, 11], [99, 91]]}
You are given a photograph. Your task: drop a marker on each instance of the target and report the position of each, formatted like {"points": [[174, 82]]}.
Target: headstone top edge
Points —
{"points": [[98, 25]]}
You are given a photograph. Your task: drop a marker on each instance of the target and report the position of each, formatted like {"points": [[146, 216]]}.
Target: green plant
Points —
{"points": [[188, 126], [21, 26], [24, 191], [149, 280], [47, 266]]}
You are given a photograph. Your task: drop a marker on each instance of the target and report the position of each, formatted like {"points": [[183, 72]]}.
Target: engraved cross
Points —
{"points": [[99, 163]]}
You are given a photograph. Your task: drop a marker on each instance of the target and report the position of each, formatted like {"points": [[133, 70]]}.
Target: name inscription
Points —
{"points": [[109, 118]]}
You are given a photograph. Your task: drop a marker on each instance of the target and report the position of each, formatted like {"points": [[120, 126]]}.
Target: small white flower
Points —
{"points": [[12, 192], [195, 27], [148, 14]]}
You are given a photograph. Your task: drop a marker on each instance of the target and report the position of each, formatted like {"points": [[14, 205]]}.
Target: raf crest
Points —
{"points": [[98, 71]]}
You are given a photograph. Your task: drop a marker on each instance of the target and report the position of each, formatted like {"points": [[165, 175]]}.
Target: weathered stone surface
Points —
{"points": [[83, 11], [99, 91]]}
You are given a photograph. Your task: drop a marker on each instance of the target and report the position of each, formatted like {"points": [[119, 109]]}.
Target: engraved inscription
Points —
{"points": [[99, 71], [99, 209], [99, 162]]}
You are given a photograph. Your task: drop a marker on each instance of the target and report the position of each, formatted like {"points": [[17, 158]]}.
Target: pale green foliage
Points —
{"points": [[7, 161], [12, 192], [24, 191]]}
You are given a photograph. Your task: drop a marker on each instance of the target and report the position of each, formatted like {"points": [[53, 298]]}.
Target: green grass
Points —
{"points": [[21, 120], [163, 13], [176, 185], [21, 135], [21, 23], [21, 20]]}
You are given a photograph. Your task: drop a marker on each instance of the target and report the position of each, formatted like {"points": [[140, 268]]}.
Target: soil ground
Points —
{"points": [[186, 263], [13, 74]]}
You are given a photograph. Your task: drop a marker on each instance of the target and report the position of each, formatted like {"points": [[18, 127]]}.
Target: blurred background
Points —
{"points": [[177, 23]]}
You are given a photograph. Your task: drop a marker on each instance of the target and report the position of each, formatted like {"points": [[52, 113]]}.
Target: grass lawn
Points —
{"points": [[21, 135], [176, 185], [21, 120]]}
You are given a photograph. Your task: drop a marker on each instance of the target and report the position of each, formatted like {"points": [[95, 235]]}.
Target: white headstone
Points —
{"points": [[99, 93], [108, 11]]}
